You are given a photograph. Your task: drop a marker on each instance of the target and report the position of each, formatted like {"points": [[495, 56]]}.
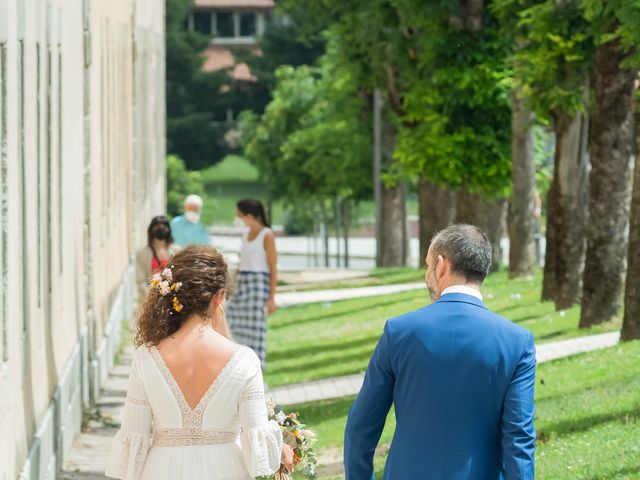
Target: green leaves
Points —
{"points": [[312, 142], [556, 45], [193, 131], [447, 80], [456, 127], [554, 48], [180, 183], [446, 87]]}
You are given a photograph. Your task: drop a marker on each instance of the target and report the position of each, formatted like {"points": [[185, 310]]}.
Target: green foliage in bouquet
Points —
{"points": [[300, 439]]}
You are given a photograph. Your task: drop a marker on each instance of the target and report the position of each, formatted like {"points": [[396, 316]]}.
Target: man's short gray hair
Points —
{"points": [[194, 200], [467, 249]]}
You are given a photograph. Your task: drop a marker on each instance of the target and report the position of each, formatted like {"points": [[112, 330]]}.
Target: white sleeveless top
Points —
{"points": [[253, 256]]}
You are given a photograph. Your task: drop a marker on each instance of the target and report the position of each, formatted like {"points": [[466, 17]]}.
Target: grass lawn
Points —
{"points": [[233, 168], [227, 182], [377, 276], [220, 202], [587, 419], [235, 178], [338, 338]]}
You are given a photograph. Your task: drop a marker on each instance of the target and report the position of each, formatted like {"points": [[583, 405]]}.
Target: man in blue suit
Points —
{"points": [[461, 379]]}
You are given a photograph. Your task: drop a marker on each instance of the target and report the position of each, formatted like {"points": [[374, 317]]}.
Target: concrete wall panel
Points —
{"points": [[81, 174]]}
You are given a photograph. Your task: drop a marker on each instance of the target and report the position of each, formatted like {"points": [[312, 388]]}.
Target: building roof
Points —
{"points": [[231, 4], [217, 58]]}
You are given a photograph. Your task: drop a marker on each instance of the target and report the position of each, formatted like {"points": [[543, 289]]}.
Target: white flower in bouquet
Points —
{"points": [[280, 417], [300, 439], [308, 434]]}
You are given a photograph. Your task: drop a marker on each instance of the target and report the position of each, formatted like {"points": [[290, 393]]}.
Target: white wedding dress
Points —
{"points": [[227, 436]]}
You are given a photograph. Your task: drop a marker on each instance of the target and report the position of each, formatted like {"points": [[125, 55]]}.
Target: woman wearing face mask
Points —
{"points": [[254, 295], [155, 255]]}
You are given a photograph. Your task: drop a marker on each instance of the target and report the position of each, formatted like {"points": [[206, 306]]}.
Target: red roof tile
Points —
{"points": [[218, 58]]}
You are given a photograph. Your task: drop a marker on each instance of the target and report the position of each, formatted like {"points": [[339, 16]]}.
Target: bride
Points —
{"points": [[195, 404]]}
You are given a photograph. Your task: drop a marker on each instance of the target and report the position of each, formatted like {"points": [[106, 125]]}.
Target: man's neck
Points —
{"points": [[458, 281], [472, 289]]}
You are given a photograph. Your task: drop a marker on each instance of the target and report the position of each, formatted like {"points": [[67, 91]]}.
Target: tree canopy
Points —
{"points": [[312, 142], [446, 85]]}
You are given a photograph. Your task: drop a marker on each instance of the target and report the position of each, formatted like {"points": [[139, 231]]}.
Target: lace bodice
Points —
{"points": [[194, 417], [231, 415]]}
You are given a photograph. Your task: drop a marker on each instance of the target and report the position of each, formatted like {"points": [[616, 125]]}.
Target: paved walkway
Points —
{"points": [[88, 456], [316, 278], [350, 385], [89, 453], [314, 296]]}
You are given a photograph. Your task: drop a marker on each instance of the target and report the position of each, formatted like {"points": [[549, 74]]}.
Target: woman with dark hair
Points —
{"points": [[156, 254], [195, 406], [254, 295]]}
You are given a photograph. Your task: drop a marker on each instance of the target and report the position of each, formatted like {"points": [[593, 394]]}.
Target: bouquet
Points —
{"points": [[300, 439]]}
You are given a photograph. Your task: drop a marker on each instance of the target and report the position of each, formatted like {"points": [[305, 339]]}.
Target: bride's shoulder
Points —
{"points": [[141, 352], [248, 358]]}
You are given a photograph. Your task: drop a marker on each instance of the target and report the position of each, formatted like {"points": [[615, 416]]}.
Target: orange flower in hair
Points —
{"points": [[177, 306]]}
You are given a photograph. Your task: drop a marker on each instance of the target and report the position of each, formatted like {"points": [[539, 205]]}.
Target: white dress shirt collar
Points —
{"points": [[463, 289]]}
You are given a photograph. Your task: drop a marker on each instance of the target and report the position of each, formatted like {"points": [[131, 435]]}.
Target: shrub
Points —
{"points": [[180, 183]]}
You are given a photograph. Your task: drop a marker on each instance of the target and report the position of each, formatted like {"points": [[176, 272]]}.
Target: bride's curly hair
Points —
{"points": [[202, 273]]}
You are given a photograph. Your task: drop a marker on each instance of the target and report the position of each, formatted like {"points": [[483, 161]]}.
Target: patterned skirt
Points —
{"points": [[245, 312]]}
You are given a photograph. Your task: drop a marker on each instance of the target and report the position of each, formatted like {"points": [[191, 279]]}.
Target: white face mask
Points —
{"points": [[191, 216], [238, 223]]}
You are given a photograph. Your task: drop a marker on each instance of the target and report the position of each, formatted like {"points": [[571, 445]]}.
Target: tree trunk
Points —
{"points": [[473, 10], [523, 177], [270, 210], [611, 138], [567, 212], [393, 244], [346, 220], [337, 222], [631, 321], [437, 210], [393, 248], [469, 15], [325, 232], [316, 235], [485, 213]]}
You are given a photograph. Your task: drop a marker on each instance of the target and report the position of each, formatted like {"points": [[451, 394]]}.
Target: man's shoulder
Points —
{"points": [[436, 314], [408, 319], [178, 220], [506, 329], [430, 311], [408, 316]]}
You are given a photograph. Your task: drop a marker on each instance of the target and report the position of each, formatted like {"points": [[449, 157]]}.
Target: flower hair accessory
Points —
{"points": [[163, 281]]}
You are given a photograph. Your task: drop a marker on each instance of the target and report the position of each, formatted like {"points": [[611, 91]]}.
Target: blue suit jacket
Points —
{"points": [[186, 233], [461, 379]]}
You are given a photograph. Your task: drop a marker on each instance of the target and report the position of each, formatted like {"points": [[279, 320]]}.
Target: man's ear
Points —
{"points": [[441, 267]]}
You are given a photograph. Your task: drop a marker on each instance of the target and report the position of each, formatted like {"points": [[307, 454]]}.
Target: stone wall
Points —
{"points": [[82, 144]]}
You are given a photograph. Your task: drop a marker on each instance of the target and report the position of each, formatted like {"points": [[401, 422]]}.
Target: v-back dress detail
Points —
{"points": [[227, 436]]}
